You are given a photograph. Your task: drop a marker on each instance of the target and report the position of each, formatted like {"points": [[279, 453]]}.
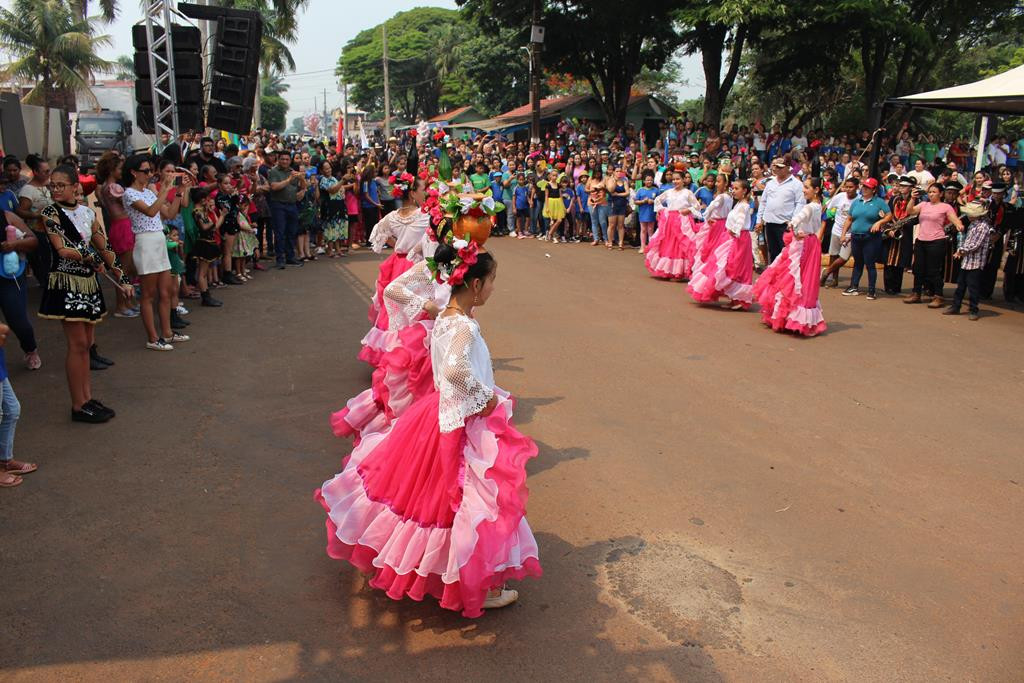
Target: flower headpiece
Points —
{"points": [[454, 273], [401, 183]]}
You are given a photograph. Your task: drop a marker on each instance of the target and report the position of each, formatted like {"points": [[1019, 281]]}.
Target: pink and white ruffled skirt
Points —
{"points": [[728, 271], [379, 339], [670, 252], [404, 374], [431, 513], [788, 289]]}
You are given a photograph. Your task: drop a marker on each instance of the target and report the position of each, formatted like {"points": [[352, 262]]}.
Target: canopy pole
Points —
{"points": [[982, 139]]}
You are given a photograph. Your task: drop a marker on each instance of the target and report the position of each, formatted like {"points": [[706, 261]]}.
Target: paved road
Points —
{"points": [[712, 501]]}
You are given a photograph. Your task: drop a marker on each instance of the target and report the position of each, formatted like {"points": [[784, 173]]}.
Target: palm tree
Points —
{"points": [[274, 84], [124, 68], [53, 47], [108, 9]]}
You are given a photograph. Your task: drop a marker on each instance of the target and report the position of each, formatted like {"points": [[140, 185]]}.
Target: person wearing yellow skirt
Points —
{"points": [[554, 209]]}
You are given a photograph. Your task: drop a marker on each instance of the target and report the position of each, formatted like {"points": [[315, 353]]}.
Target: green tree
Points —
{"points": [[274, 84], [413, 63], [124, 68], [603, 42], [108, 9], [275, 111], [718, 28], [492, 72], [53, 47]]}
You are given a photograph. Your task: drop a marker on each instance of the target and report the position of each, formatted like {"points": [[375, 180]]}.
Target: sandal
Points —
{"points": [[17, 467], [8, 481]]}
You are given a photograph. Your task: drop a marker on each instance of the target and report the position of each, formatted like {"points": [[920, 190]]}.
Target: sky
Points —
{"points": [[324, 27]]}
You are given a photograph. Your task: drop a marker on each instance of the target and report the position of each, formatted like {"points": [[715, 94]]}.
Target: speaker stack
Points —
{"points": [[236, 63], [188, 77]]}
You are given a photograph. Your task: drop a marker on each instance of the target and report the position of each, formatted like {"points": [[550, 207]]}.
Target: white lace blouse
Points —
{"points": [[807, 219], [676, 200], [407, 233], [405, 296], [462, 370], [718, 208], [738, 219]]}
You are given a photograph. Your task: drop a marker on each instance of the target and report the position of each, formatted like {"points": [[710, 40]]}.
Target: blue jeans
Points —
{"points": [[867, 250], [10, 409], [538, 224], [15, 310], [599, 222], [285, 217]]}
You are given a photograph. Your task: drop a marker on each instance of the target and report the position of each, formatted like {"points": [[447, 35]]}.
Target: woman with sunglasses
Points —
{"points": [[146, 208], [73, 295]]}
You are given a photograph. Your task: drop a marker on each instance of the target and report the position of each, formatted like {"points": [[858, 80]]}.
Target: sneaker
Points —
{"points": [[99, 407], [177, 338], [181, 310], [543, 238], [159, 345], [973, 315], [91, 414], [952, 310], [504, 599], [259, 266], [851, 291], [33, 361], [127, 313], [320, 251], [871, 296]]}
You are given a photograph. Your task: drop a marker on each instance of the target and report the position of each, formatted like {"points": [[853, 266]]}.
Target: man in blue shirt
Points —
{"points": [[864, 222]]}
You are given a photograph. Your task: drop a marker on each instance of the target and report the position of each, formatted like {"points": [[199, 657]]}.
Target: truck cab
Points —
{"points": [[97, 132]]}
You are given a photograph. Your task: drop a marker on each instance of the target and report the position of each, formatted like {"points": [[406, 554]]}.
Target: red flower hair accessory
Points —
{"points": [[400, 184]]}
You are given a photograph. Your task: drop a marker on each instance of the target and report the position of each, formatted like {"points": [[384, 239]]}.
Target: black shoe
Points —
{"points": [[94, 354], [207, 300], [295, 262], [176, 322], [280, 266], [90, 414], [233, 279], [97, 365], [100, 408]]}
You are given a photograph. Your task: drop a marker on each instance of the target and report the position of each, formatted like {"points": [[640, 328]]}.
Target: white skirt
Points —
{"points": [[150, 254]]}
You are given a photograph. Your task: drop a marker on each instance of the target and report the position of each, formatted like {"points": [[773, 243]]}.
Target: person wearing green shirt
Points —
{"points": [[480, 179], [284, 187]]}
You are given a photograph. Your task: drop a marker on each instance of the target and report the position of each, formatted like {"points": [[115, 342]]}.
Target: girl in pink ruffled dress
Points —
{"points": [[670, 251], [711, 234], [403, 230], [788, 290], [435, 503], [413, 300]]}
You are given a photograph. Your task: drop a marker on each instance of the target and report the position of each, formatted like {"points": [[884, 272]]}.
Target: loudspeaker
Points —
{"points": [[186, 65], [183, 38], [189, 118], [236, 31], [229, 117], [187, 90], [232, 89]]}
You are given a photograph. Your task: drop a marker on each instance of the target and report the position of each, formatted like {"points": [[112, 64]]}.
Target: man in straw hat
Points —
{"points": [[972, 254]]}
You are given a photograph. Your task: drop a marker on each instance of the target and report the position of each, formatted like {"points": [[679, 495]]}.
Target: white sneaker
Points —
{"points": [[504, 599], [320, 251], [127, 313], [181, 310], [177, 338], [159, 345], [554, 240]]}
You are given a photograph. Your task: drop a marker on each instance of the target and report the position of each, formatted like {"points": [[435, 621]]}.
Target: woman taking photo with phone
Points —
{"points": [[145, 208], [80, 254], [930, 245]]}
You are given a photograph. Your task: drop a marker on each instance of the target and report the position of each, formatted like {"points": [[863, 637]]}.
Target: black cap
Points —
{"points": [[953, 185], [998, 186], [907, 181]]}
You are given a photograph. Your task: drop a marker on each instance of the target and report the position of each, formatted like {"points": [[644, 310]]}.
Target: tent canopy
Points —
{"points": [[1000, 94]]}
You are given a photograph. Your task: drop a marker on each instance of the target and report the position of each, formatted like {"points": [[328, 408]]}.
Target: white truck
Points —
{"points": [[111, 125]]}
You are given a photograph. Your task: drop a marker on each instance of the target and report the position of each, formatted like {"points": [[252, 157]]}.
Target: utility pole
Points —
{"points": [[323, 122], [344, 110], [536, 40], [387, 86]]}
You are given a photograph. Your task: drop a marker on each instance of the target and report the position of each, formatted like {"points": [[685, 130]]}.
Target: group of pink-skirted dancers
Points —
{"points": [[432, 499], [716, 254]]}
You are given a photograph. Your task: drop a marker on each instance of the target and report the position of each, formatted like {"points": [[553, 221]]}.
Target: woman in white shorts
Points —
{"points": [[146, 208]]}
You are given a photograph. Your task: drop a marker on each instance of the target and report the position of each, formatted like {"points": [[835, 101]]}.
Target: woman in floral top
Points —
{"points": [[333, 214]]}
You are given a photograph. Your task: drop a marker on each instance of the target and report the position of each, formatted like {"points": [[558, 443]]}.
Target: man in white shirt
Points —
{"points": [[838, 251], [783, 196], [997, 152]]}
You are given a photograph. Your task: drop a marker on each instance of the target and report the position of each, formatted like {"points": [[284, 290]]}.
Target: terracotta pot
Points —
{"points": [[473, 228]]}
